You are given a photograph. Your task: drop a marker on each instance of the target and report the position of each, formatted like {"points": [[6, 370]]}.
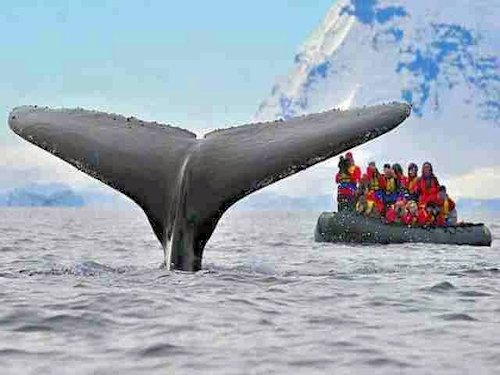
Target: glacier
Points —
{"points": [[442, 57]]}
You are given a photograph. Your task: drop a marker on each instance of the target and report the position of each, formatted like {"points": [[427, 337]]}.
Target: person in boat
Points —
{"points": [[410, 217], [447, 209], [347, 186], [424, 219], [367, 207], [354, 170], [348, 178], [395, 213], [363, 206], [433, 212], [390, 215], [401, 178], [427, 186], [373, 183], [412, 182], [390, 186]]}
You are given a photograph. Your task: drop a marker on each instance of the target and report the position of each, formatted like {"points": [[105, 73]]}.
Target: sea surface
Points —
{"points": [[81, 292]]}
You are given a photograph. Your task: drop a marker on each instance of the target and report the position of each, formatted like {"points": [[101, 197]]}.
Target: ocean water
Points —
{"points": [[81, 292]]}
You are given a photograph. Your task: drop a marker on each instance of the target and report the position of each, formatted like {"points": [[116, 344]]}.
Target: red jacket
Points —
{"points": [[409, 219], [390, 216], [355, 173], [440, 221], [423, 218], [403, 181], [427, 193]]}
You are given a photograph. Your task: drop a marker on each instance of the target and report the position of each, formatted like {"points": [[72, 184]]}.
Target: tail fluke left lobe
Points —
{"points": [[139, 159]]}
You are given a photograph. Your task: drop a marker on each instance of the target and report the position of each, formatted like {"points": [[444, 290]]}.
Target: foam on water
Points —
{"points": [[84, 290]]}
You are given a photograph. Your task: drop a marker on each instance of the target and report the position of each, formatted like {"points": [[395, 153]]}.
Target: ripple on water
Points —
{"points": [[30, 328], [441, 287], [84, 269], [9, 353], [162, 350], [473, 293], [458, 317], [475, 272], [387, 362], [319, 363]]}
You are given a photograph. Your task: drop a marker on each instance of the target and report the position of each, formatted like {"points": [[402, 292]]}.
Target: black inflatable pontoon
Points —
{"points": [[350, 227]]}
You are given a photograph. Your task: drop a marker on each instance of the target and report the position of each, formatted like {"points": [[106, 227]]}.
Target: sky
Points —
{"points": [[196, 64]]}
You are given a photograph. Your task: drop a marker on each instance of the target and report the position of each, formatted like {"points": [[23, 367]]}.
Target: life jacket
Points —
{"points": [[391, 185], [375, 201], [370, 205], [372, 179], [412, 184], [361, 207], [343, 177], [447, 206]]}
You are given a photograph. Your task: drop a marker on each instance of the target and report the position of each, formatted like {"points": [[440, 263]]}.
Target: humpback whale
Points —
{"points": [[183, 183]]}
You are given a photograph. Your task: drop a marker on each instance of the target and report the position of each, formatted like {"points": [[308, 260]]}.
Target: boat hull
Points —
{"points": [[354, 228]]}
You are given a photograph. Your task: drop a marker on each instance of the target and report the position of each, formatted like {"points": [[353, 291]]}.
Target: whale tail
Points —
{"points": [[185, 184]]}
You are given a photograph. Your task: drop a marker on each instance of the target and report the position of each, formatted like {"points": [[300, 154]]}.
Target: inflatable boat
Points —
{"points": [[351, 227]]}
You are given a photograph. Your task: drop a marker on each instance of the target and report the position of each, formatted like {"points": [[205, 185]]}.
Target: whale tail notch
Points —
{"points": [[185, 184]]}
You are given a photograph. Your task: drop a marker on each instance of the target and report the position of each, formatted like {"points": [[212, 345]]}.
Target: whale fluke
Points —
{"points": [[185, 184]]}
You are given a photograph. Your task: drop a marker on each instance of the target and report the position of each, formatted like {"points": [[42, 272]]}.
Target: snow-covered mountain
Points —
{"points": [[441, 56]]}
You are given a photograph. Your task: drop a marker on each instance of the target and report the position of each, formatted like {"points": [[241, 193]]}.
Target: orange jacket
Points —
{"points": [[412, 184], [446, 206]]}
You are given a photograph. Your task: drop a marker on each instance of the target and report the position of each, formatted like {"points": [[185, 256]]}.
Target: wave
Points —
{"points": [[85, 269], [458, 317]]}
